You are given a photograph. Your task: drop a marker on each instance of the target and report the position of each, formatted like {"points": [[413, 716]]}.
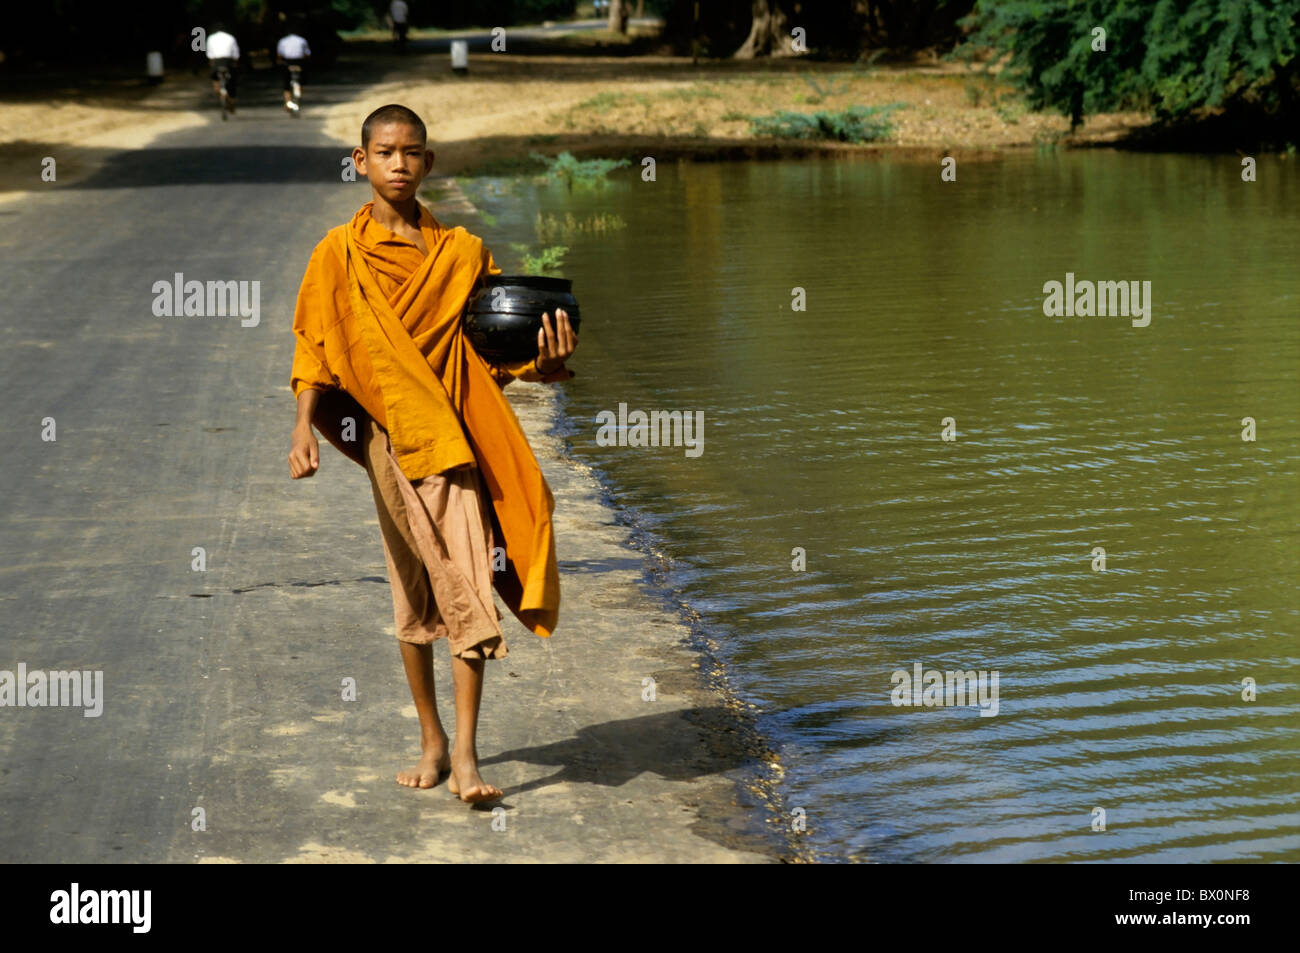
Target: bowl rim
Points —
{"points": [[532, 282]]}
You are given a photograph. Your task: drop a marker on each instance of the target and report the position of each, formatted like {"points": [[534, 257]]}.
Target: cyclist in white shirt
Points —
{"points": [[292, 50], [223, 51]]}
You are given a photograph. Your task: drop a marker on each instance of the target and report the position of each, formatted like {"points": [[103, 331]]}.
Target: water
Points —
{"points": [[1118, 689]]}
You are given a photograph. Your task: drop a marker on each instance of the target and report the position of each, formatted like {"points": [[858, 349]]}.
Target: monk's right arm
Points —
{"points": [[304, 450], [311, 374]]}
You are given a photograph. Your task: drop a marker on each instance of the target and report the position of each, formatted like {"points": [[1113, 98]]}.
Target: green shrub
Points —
{"points": [[854, 124], [585, 172], [548, 261]]}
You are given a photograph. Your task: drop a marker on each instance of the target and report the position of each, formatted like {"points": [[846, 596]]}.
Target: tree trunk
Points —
{"points": [[640, 8], [618, 16], [769, 35]]}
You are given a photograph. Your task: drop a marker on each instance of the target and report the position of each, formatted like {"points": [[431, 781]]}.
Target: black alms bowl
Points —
{"points": [[503, 316]]}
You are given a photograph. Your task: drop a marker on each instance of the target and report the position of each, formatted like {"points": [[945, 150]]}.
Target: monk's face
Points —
{"points": [[395, 161]]}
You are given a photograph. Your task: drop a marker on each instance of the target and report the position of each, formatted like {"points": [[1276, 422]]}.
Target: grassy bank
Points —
{"points": [[488, 121]]}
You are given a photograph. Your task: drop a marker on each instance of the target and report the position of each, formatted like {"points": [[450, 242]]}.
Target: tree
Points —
{"points": [[618, 16], [768, 33], [844, 29], [1177, 58], [836, 29]]}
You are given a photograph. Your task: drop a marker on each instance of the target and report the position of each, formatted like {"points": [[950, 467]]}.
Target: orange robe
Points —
{"points": [[379, 320]]}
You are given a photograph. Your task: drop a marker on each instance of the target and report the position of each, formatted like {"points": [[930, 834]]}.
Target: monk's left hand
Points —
{"points": [[555, 345]]}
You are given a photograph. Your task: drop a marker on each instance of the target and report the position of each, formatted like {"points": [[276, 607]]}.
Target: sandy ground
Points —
{"points": [[489, 120], [79, 132], [509, 105]]}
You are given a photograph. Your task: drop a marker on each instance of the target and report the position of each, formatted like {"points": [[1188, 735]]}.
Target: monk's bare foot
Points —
{"points": [[434, 764], [466, 783]]}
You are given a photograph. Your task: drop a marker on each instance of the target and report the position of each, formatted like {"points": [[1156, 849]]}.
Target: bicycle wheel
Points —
{"points": [[223, 96]]}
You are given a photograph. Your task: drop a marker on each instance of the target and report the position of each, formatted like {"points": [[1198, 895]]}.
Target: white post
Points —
{"points": [[154, 66], [459, 56]]}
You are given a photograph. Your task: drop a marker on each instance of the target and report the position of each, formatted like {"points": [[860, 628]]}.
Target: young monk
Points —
{"points": [[379, 340]]}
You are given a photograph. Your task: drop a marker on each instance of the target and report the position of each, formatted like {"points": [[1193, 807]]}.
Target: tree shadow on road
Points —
{"points": [[218, 165]]}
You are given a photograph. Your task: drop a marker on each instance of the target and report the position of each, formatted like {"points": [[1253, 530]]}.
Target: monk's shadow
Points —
{"points": [[679, 745]]}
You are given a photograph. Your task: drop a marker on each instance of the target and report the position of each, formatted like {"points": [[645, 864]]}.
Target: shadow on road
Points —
{"points": [[216, 165]]}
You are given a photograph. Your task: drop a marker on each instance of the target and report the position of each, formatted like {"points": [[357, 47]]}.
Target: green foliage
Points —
{"points": [[547, 262], [583, 172], [1174, 57], [820, 92], [601, 101], [854, 124]]}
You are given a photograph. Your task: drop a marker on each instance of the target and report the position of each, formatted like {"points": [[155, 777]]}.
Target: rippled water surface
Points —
{"points": [[1118, 689]]}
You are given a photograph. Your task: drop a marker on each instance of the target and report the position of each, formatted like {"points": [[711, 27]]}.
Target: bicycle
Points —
{"points": [[222, 76], [294, 103]]}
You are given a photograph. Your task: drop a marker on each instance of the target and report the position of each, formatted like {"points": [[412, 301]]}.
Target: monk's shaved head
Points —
{"points": [[393, 113]]}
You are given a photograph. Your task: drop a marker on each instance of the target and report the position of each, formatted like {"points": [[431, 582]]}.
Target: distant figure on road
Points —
{"points": [[379, 344], [223, 57], [292, 51], [399, 12]]}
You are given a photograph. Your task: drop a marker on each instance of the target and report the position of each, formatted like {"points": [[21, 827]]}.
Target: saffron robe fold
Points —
{"points": [[379, 320]]}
